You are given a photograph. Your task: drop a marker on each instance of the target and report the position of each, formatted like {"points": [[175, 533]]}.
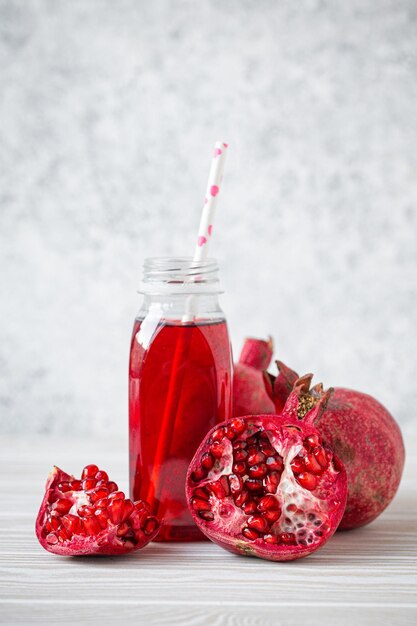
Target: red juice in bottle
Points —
{"points": [[179, 388]]}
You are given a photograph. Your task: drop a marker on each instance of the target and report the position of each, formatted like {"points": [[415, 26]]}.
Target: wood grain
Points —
{"points": [[367, 577]]}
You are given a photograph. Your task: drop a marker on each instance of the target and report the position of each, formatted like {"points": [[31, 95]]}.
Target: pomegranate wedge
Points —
{"points": [[91, 516]]}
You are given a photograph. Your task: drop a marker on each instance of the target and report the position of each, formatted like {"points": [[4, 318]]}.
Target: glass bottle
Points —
{"points": [[180, 377]]}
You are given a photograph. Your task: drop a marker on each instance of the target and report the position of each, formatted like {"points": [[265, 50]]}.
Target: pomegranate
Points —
{"points": [[91, 516], [266, 485], [360, 430], [251, 395], [367, 439]]}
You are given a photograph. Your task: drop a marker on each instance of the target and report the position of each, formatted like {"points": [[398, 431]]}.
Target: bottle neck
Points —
{"points": [[181, 289]]}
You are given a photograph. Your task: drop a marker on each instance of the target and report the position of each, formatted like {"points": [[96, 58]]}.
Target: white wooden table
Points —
{"points": [[368, 576]]}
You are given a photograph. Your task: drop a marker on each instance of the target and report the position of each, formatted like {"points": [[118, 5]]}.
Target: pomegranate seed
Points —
{"points": [[258, 471], [117, 495], [297, 466], [240, 455], [200, 505], [258, 523], [239, 445], [268, 450], [272, 482], [207, 461], [135, 518], [139, 535], [140, 505], [75, 485], [225, 484], [206, 515], [252, 441], [98, 494], [229, 433], [217, 449], [52, 539], [266, 503], [54, 520], [140, 517], [64, 487], [306, 480], [115, 510], [272, 516], [249, 507], [312, 441], [128, 508], [292, 508], [151, 525], [218, 434], [112, 486], [254, 485], [237, 425], [62, 506], [89, 471], [88, 484], [271, 539], [218, 489], [72, 524], [275, 463], [101, 517], [91, 526], [311, 464], [63, 535], [239, 468], [123, 529], [101, 475], [201, 492], [287, 538], [199, 474], [321, 457], [235, 483], [256, 457], [86, 511], [249, 533], [241, 498]]}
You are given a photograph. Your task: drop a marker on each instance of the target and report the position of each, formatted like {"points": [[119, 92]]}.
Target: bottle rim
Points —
{"points": [[180, 275]]}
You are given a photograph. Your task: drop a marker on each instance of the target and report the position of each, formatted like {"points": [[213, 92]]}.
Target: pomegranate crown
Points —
{"points": [[306, 403]]}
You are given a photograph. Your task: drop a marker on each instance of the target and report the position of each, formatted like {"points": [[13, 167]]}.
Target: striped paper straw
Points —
{"points": [[210, 201]]}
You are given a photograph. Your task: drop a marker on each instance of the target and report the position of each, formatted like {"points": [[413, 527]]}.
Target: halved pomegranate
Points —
{"points": [[266, 485], [91, 516]]}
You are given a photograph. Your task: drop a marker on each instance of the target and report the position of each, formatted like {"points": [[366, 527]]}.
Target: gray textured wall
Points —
{"points": [[108, 113]]}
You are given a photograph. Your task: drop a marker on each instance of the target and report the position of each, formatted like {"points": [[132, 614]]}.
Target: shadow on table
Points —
{"points": [[363, 546], [147, 554]]}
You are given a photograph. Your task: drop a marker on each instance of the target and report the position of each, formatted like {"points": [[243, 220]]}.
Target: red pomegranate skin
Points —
{"points": [[368, 440], [251, 386], [109, 527], [250, 396], [310, 515]]}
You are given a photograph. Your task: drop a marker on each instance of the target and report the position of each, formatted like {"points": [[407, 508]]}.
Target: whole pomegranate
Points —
{"points": [[91, 516], [363, 434], [266, 485]]}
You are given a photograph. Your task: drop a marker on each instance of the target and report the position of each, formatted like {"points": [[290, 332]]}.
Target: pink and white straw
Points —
{"points": [[210, 201]]}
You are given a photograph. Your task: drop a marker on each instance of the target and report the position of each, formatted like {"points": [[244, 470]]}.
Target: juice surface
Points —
{"points": [[179, 388]]}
